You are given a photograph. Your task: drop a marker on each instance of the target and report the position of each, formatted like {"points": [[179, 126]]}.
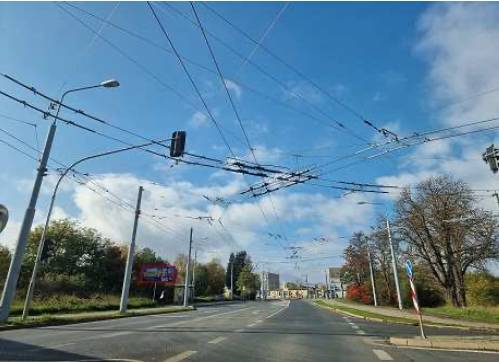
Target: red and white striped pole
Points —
{"points": [[414, 296]]}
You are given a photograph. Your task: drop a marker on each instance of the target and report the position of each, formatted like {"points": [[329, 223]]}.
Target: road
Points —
{"points": [[252, 331]]}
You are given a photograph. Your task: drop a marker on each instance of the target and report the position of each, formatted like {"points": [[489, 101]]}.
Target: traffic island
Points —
{"points": [[465, 343]]}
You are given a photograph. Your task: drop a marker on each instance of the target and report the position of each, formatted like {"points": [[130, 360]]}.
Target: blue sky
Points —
{"points": [[398, 64]]}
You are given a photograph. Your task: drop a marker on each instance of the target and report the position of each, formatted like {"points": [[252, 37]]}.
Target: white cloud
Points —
{"points": [[198, 119], [234, 87], [9, 235], [460, 41]]}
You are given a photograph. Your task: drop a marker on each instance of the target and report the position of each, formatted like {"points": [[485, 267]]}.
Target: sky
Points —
{"points": [[405, 67]]}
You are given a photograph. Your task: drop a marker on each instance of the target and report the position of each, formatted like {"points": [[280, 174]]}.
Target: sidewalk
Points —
{"points": [[410, 315]]}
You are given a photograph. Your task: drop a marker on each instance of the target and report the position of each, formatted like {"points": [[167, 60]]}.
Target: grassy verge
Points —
{"points": [[474, 314], [72, 304], [365, 314], [54, 319]]}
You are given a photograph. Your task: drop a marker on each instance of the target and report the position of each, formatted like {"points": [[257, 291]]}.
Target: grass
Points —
{"points": [[475, 314], [365, 314], [72, 304], [54, 319]]}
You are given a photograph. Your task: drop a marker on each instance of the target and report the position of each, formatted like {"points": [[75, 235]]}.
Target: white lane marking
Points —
{"points": [[196, 319], [273, 314], [171, 316], [382, 355], [355, 327], [360, 331], [217, 340], [259, 321], [251, 325], [111, 335], [239, 330], [256, 312], [51, 347], [181, 356]]}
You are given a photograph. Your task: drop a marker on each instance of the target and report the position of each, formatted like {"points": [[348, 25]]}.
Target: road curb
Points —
{"points": [[455, 343], [59, 320]]}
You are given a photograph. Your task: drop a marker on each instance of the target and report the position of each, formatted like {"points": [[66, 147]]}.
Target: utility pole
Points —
{"points": [[129, 260], [496, 195], [17, 258], [262, 286], [186, 284], [394, 264], [371, 270], [194, 274], [326, 294], [232, 280]]}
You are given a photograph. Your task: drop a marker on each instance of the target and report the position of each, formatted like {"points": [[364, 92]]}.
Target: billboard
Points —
{"points": [[159, 273]]}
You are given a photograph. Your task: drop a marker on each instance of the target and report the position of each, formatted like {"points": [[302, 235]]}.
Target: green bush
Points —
{"points": [[482, 289], [74, 304], [429, 294]]}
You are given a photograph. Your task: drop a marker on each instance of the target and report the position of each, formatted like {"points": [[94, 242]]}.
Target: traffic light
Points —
{"points": [[48, 249], [490, 157], [177, 144]]}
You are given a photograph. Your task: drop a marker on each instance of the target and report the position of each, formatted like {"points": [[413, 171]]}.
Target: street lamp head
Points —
{"points": [[111, 83]]}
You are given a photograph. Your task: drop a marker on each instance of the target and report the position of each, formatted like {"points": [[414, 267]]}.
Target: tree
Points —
{"points": [[4, 263], [240, 260], [216, 277], [201, 282], [446, 231], [356, 262], [382, 261], [248, 282]]}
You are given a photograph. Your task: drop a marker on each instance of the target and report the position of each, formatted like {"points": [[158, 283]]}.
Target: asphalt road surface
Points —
{"points": [[252, 331]]}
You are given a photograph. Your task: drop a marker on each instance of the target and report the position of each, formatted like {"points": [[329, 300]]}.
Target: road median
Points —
{"points": [[60, 319], [366, 315], [475, 343]]}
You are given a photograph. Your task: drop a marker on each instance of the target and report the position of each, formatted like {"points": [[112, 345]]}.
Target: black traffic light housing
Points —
{"points": [[490, 157], [177, 144]]}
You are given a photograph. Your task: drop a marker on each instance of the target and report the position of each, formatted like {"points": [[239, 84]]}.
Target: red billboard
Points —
{"points": [[159, 273]]}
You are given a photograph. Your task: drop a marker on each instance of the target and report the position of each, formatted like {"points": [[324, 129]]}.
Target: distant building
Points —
{"points": [[272, 281], [335, 284]]}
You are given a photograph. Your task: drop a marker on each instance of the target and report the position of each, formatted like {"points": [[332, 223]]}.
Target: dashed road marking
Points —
{"points": [[217, 340], [116, 334], [239, 330], [273, 314], [251, 325], [180, 357], [51, 347], [259, 321], [256, 312], [382, 355], [360, 331], [355, 327]]}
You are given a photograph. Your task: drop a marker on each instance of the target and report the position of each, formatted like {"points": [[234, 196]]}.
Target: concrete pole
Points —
{"points": [[194, 274], [496, 195], [326, 294], [262, 286], [394, 264], [129, 260], [188, 266], [9, 289], [371, 270], [232, 280]]}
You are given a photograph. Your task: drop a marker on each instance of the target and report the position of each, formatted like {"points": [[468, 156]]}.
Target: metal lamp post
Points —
{"points": [[31, 286], [17, 257]]}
